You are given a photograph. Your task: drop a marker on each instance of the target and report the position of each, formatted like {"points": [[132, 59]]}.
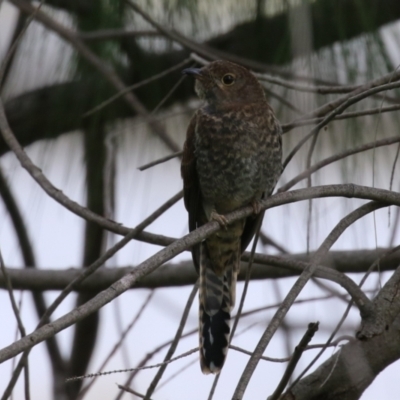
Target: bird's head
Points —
{"points": [[223, 84]]}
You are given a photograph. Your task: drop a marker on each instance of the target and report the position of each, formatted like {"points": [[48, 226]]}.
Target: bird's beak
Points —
{"points": [[195, 72]]}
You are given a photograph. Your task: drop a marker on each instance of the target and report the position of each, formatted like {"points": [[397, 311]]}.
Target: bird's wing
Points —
{"points": [[191, 188], [253, 221], [249, 230], [188, 165]]}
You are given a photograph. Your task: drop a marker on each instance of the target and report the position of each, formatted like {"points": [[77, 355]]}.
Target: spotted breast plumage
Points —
{"points": [[231, 158]]}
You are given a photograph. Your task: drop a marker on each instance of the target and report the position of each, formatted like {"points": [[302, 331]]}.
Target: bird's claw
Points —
{"points": [[219, 218], [256, 204]]}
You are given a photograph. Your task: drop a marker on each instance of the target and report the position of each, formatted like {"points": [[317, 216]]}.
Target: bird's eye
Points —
{"points": [[228, 79]]}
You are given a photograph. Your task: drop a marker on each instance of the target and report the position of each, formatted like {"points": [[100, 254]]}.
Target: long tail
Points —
{"points": [[217, 298]]}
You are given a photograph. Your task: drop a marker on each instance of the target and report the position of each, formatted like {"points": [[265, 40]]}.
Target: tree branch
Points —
{"points": [[350, 371], [183, 273], [297, 288]]}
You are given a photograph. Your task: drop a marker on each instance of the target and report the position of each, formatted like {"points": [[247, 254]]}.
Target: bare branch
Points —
{"points": [[295, 291], [174, 343], [337, 157], [312, 328], [136, 86], [183, 273], [354, 97], [347, 190], [249, 353], [177, 247], [349, 372], [386, 309], [22, 331], [187, 353], [110, 34], [287, 127], [160, 160], [353, 114], [82, 393]]}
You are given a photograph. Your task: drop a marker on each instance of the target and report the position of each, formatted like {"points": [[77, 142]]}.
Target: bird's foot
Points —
{"points": [[256, 204], [214, 216]]}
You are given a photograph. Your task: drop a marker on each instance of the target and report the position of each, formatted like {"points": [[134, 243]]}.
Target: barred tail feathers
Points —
{"points": [[217, 298]]}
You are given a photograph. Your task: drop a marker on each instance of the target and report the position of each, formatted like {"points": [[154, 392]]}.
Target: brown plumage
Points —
{"points": [[231, 158]]}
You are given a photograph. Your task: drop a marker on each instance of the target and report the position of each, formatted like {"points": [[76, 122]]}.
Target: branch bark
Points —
{"points": [[352, 369], [183, 273]]}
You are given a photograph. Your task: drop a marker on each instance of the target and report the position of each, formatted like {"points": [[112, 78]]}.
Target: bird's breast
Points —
{"points": [[233, 160]]}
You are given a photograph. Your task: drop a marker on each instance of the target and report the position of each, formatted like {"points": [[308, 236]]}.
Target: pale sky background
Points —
{"points": [[57, 236]]}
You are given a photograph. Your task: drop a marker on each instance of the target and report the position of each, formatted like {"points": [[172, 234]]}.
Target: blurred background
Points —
{"points": [[50, 89]]}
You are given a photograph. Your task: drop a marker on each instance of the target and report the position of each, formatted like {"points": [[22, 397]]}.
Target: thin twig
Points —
{"points": [[92, 268], [178, 246], [343, 280], [157, 213], [285, 328], [117, 345], [309, 184], [353, 114], [160, 160], [324, 88], [336, 157], [173, 274], [16, 42], [50, 189], [394, 167], [291, 125], [22, 331], [39, 300], [111, 34], [174, 343], [118, 371], [367, 87], [297, 302], [324, 347], [284, 101], [395, 226], [175, 374], [37, 174], [295, 291], [136, 86], [343, 318], [347, 102], [129, 390], [169, 94], [201, 49], [268, 241], [249, 353], [149, 356], [298, 352]]}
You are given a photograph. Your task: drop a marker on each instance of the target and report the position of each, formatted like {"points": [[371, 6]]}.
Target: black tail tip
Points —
{"points": [[211, 367], [214, 341]]}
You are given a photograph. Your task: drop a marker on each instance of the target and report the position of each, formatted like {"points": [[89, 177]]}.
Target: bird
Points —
{"points": [[232, 157]]}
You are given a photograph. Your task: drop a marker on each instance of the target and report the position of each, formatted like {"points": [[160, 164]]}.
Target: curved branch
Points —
{"points": [[295, 291], [145, 268], [350, 371]]}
